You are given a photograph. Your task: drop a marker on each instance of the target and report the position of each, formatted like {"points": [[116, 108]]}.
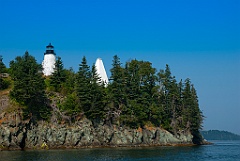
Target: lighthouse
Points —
{"points": [[101, 71], [49, 60]]}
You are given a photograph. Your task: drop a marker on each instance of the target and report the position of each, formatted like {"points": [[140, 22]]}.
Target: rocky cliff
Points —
{"points": [[16, 133]]}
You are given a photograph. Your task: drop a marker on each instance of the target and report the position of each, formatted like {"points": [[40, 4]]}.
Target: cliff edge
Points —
{"points": [[16, 133]]}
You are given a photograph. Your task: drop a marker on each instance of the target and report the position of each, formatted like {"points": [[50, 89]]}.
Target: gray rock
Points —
{"points": [[16, 134]]}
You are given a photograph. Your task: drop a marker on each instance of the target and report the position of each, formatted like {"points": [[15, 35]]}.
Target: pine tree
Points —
{"points": [[71, 105], [133, 79], [117, 84], [2, 65], [83, 83], [58, 77], [3, 82], [168, 97], [97, 94], [140, 93], [179, 107], [132, 92], [116, 90], [187, 104], [196, 114], [68, 86], [29, 87], [147, 87], [191, 113]]}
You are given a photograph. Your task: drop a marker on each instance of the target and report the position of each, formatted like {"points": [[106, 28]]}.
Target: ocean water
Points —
{"points": [[220, 151]]}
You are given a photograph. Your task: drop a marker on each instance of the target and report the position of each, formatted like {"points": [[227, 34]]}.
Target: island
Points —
{"points": [[139, 106], [219, 135]]}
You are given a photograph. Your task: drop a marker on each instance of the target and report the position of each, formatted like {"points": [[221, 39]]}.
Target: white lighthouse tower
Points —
{"points": [[49, 60], [101, 71]]}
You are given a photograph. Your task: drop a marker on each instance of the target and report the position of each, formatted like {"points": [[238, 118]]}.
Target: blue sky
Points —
{"points": [[199, 39]]}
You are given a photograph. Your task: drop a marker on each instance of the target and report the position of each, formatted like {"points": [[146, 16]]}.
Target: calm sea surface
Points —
{"points": [[221, 151]]}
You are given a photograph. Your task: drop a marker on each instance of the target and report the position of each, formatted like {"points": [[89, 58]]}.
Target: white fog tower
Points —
{"points": [[49, 60], [101, 70]]}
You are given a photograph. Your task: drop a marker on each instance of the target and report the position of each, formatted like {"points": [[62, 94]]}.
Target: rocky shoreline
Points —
{"points": [[18, 134]]}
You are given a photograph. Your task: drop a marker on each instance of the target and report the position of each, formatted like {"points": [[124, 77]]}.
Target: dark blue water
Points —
{"points": [[220, 151]]}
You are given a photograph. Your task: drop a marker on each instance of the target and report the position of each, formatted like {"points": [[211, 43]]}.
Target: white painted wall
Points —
{"points": [[48, 64], [101, 71]]}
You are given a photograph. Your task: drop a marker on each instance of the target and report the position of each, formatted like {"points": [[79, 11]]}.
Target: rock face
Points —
{"points": [[4, 102], [18, 134]]}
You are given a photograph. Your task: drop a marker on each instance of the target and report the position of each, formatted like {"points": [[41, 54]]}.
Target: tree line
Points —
{"points": [[4, 83], [137, 94]]}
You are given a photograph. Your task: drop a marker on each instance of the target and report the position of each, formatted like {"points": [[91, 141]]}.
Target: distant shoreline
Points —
{"points": [[219, 135]]}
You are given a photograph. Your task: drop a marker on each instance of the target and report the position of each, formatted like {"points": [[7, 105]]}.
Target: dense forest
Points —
{"points": [[219, 135], [138, 95]]}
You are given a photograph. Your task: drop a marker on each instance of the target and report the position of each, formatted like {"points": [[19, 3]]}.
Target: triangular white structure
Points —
{"points": [[101, 71]]}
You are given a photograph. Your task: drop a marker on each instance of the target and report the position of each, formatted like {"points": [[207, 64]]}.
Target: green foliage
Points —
{"points": [[4, 83], [97, 96], [90, 91], [28, 87], [117, 85], [139, 93], [71, 105], [136, 96], [116, 91], [83, 82], [58, 77], [191, 114], [3, 68], [69, 84], [219, 135]]}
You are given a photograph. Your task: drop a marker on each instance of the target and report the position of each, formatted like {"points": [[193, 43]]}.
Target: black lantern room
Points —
{"points": [[49, 49]]}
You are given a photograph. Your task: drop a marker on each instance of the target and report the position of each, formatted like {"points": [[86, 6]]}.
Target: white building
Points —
{"points": [[49, 60], [101, 71]]}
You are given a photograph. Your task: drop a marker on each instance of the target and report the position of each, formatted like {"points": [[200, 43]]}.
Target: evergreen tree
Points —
{"points": [[29, 87], [168, 96], [68, 86], [196, 114], [187, 103], [179, 107], [148, 89], [83, 83], [132, 92], [3, 82], [191, 113], [97, 95], [133, 79], [71, 105], [58, 77], [2, 65], [117, 85], [140, 92], [116, 90]]}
